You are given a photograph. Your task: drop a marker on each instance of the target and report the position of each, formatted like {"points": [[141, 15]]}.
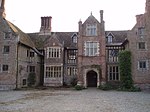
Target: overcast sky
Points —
{"points": [[118, 14]]}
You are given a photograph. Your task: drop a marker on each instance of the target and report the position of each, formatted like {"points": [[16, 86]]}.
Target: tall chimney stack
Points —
{"points": [[102, 23], [147, 8], [2, 8], [45, 25], [147, 13], [101, 16]]}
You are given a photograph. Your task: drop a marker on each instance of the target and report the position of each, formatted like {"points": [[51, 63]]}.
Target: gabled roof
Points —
{"points": [[91, 19], [38, 39], [109, 34], [24, 38], [4, 27], [65, 38], [53, 40], [119, 36], [7, 26]]}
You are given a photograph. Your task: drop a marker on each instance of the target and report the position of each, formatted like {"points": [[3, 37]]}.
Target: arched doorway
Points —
{"points": [[91, 79]]}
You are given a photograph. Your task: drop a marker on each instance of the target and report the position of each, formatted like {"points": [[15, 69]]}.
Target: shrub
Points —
{"points": [[78, 87], [31, 79], [132, 89], [73, 81], [105, 87]]}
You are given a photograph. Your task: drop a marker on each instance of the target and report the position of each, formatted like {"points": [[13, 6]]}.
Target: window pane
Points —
{"points": [[7, 35], [32, 68], [141, 31], [141, 45], [110, 69], [24, 82], [117, 76], [6, 49], [113, 73], [144, 64], [91, 48], [110, 76], [31, 54], [5, 68], [53, 71], [54, 52], [91, 30], [109, 39], [75, 39]]}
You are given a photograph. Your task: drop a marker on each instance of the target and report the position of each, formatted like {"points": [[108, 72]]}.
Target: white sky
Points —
{"points": [[118, 14]]}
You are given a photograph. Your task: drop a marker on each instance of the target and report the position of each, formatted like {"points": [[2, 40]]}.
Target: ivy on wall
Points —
{"points": [[31, 79], [125, 69]]}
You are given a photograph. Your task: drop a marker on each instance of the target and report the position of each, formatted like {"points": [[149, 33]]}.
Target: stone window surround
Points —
{"points": [[1, 68], [144, 47], [5, 68], [90, 47], [53, 71], [7, 35], [141, 31], [91, 30], [6, 49], [53, 52], [143, 65]]}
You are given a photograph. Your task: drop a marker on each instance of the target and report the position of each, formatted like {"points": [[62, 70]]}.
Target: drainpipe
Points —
{"points": [[64, 64], [17, 62]]}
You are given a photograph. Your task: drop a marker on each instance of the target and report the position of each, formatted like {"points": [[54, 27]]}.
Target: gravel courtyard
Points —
{"points": [[88, 100]]}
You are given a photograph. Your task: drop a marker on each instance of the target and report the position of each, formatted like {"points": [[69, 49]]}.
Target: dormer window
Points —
{"points": [[74, 39], [109, 39], [91, 30]]}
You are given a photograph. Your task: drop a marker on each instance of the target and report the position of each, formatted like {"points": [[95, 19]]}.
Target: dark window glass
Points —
{"points": [[32, 69], [141, 45], [24, 82], [6, 49], [7, 35], [5, 68], [31, 54], [142, 64]]}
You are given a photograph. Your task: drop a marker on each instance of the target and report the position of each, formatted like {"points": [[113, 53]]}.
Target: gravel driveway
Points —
{"points": [[88, 100]]}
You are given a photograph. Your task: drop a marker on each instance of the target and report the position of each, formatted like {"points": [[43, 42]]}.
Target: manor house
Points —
{"points": [[89, 55]]}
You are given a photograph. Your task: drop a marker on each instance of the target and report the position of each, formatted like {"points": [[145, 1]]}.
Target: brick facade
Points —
{"points": [[140, 34], [89, 55], [86, 63]]}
